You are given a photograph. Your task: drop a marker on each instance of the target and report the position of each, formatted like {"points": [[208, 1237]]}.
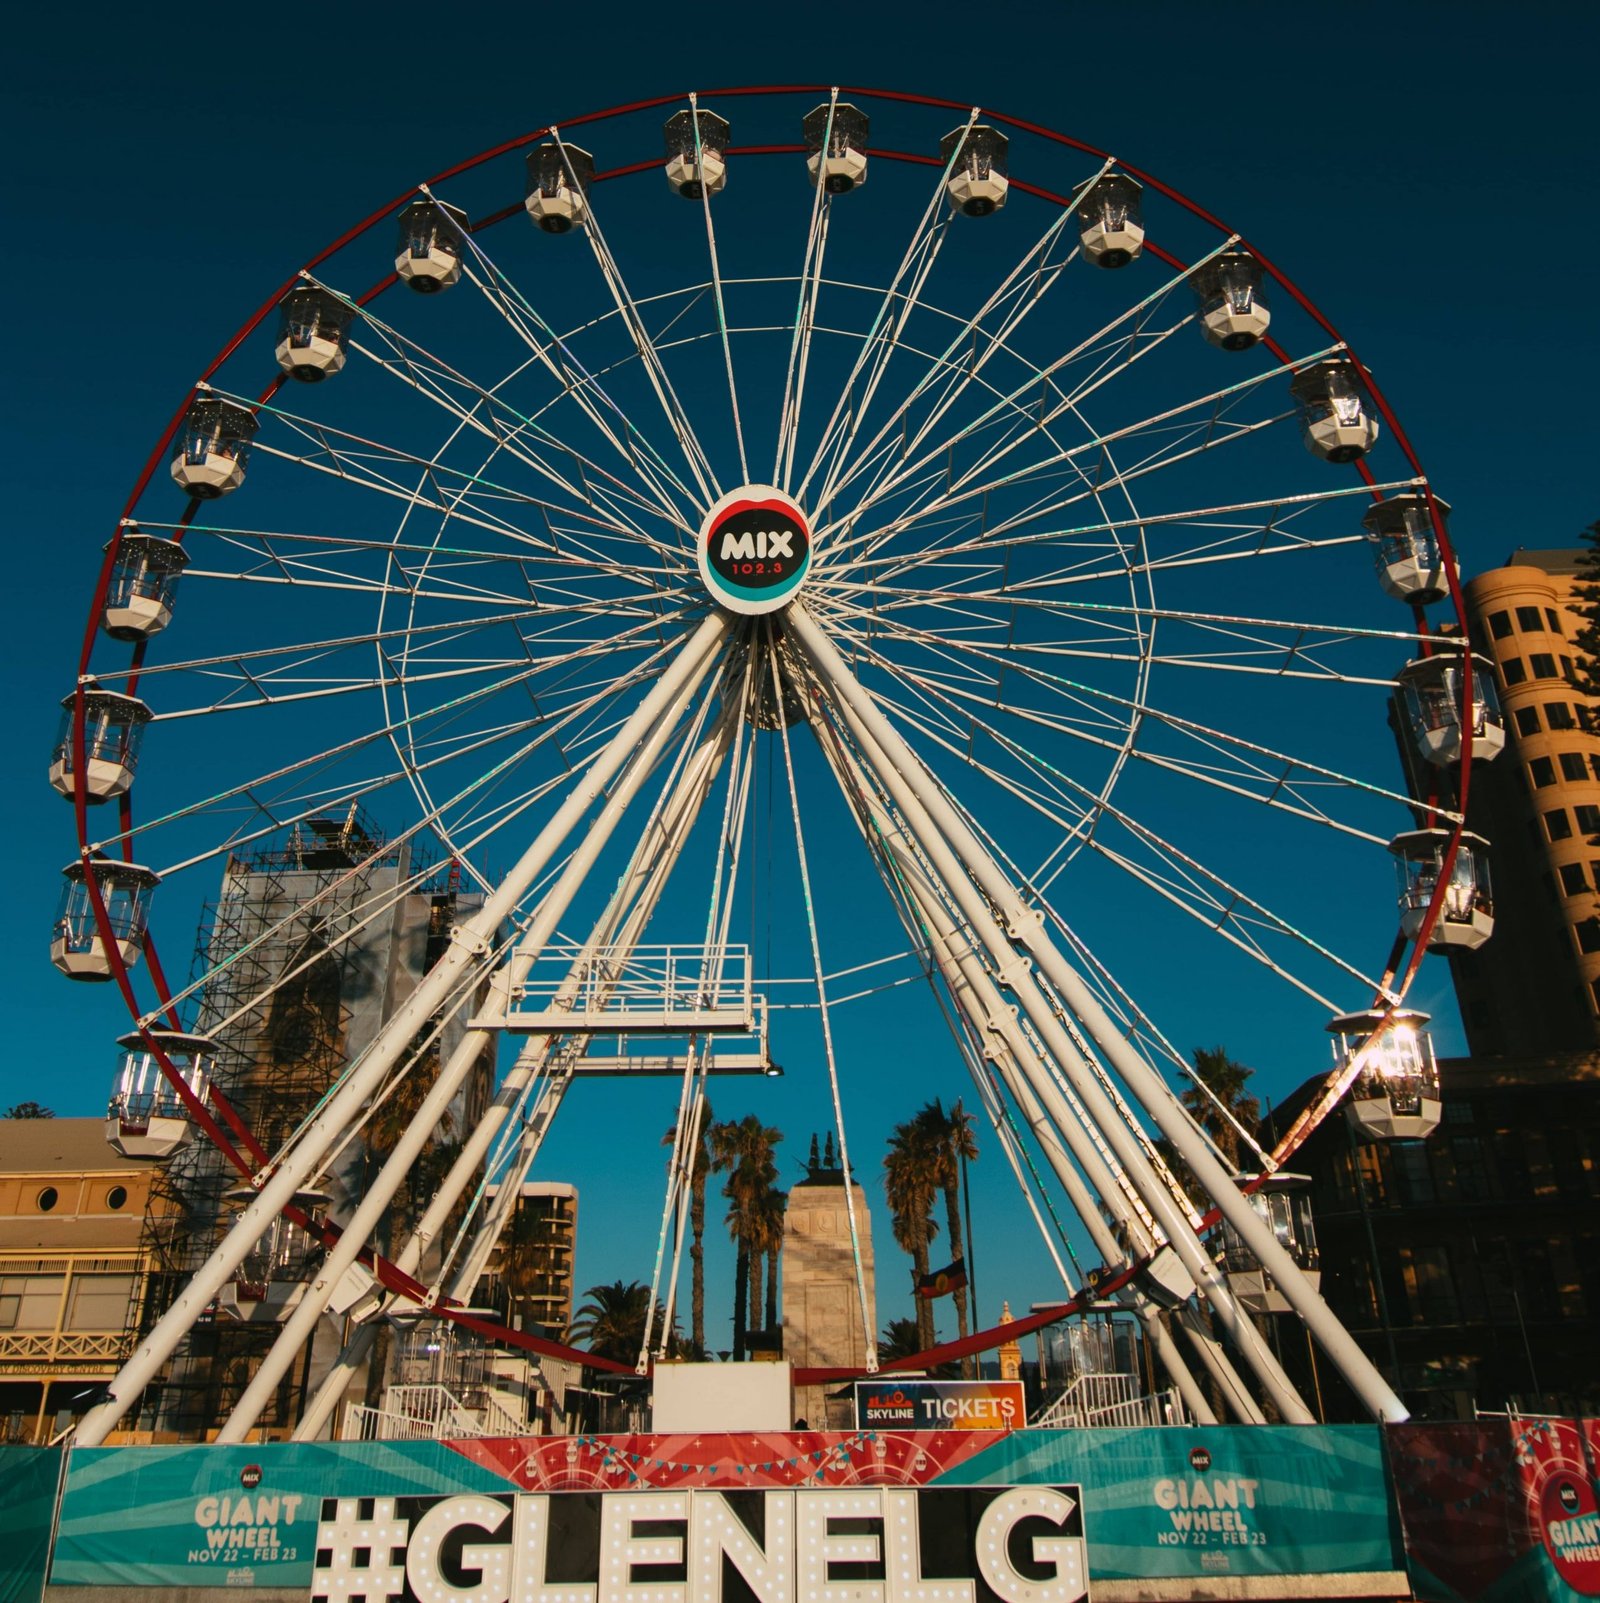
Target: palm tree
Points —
{"points": [[612, 1320], [909, 1183], [744, 1150], [697, 1224], [900, 1339], [766, 1237], [1227, 1080], [952, 1143]]}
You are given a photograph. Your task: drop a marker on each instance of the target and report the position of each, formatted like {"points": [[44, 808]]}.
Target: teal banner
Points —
{"points": [[29, 1477], [229, 1516], [1212, 1500]]}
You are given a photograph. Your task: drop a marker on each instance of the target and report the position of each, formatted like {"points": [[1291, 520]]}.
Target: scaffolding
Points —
{"points": [[308, 949]]}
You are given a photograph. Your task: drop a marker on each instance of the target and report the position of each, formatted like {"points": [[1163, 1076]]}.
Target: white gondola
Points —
{"points": [[976, 160], [271, 1279], [836, 146], [313, 334], [1110, 222], [1466, 918], [1396, 1092], [1233, 306], [1335, 410], [144, 578], [1406, 548], [557, 183], [213, 447], [76, 945], [1283, 1200], [146, 1117], [431, 245], [1432, 694], [113, 727], [697, 152]]}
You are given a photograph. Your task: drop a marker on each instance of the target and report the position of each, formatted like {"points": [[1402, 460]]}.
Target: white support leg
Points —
{"points": [[891, 764], [621, 924], [552, 909], [974, 992], [1026, 927], [471, 945], [1221, 1371]]}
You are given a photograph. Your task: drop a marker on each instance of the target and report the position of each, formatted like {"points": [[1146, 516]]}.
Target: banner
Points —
{"points": [[1505, 1509], [896, 1544], [29, 1477], [1234, 1500], [890, 1403], [1157, 1502]]}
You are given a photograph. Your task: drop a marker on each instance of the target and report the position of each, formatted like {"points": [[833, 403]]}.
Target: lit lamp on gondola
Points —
{"points": [[836, 147], [1396, 1092], [1233, 308], [213, 447], [271, 1279], [697, 152], [558, 179], [146, 1117], [1432, 693], [76, 945], [1335, 410], [144, 579], [1110, 224], [1466, 916], [313, 334], [431, 245], [976, 159], [1283, 1200], [1406, 548], [113, 727]]}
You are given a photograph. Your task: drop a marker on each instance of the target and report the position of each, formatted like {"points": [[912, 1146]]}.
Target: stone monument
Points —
{"points": [[822, 1321]]}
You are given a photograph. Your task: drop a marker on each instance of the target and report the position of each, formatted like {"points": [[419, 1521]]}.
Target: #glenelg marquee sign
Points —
{"points": [[975, 1544]]}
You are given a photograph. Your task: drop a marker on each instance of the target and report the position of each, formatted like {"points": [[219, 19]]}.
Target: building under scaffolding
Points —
{"points": [[310, 948]]}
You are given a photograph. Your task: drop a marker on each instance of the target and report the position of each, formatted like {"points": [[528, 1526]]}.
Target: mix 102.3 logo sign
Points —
{"points": [[755, 549]]}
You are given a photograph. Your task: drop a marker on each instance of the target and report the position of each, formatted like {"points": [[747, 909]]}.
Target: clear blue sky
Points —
{"points": [[1424, 171]]}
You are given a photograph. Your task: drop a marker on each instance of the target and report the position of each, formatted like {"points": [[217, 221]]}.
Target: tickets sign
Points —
{"points": [[889, 1403]]}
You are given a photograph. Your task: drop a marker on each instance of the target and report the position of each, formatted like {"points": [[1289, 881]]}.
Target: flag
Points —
{"points": [[942, 1282]]}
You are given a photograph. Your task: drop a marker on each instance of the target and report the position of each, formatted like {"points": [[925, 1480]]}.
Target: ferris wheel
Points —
{"points": [[971, 496]]}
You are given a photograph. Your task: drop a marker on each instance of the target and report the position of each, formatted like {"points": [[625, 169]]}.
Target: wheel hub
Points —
{"points": [[754, 549]]}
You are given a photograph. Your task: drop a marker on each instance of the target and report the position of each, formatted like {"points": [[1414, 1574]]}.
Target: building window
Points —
{"points": [[1543, 665], [1588, 818], [1430, 1292], [47, 1199], [1558, 715], [1499, 624], [1556, 824], [117, 1196], [1574, 881], [1588, 933], [1528, 618], [1568, 672], [1542, 772], [30, 1302], [1553, 619], [1594, 763], [1573, 765], [1527, 720], [99, 1302], [1513, 670]]}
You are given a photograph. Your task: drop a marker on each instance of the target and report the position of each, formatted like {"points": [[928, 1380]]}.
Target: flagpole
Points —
{"points": [[972, 1262]]}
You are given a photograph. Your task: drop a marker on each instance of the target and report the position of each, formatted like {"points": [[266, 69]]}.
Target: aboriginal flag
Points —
{"points": [[942, 1282]]}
